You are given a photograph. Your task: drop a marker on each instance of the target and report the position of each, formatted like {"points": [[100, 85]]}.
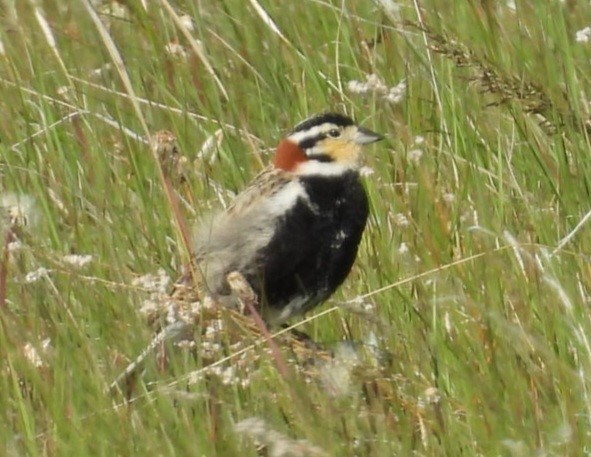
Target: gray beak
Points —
{"points": [[365, 136]]}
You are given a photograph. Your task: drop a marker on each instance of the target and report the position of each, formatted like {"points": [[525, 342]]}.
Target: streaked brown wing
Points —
{"points": [[263, 186]]}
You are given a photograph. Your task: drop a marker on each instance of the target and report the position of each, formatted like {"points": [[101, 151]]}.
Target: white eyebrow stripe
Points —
{"points": [[298, 137]]}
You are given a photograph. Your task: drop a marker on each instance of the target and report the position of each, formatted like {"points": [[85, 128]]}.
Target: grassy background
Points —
{"points": [[484, 345]]}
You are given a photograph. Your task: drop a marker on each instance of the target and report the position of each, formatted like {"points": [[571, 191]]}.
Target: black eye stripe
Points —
{"points": [[310, 142], [321, 157]]}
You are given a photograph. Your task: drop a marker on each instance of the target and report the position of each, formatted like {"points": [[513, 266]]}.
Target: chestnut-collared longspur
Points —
{"points": [[294, 232]]}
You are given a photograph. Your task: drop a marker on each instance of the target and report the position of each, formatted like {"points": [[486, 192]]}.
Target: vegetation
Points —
{"points": [[467, 313]]}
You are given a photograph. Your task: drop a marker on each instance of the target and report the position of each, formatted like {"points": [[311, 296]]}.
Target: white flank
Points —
{"points": [[293, 308]]}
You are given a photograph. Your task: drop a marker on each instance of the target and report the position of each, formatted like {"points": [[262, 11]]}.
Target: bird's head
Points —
{"points": [[324, 144]]}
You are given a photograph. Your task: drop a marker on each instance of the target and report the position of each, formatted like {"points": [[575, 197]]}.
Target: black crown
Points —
{"points": [[334, 118]]}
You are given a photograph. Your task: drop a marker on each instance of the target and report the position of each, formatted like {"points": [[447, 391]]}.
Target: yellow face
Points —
{"points": [[332, 139], [343, 149]]}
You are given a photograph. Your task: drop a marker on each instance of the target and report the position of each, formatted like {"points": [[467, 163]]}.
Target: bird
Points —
{"points": [[294, 232]]}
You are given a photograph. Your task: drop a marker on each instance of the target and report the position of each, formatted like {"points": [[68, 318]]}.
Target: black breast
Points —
{"points": [[315, 245]]}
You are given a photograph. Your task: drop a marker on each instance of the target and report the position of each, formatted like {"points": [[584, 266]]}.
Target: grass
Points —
{"points": [[474, 264]]}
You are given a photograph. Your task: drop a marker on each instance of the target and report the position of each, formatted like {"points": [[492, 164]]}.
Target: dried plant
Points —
{"points": [[509, 89]]}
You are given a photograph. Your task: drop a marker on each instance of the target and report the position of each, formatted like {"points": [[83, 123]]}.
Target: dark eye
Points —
{"points": [[334, 133]]}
